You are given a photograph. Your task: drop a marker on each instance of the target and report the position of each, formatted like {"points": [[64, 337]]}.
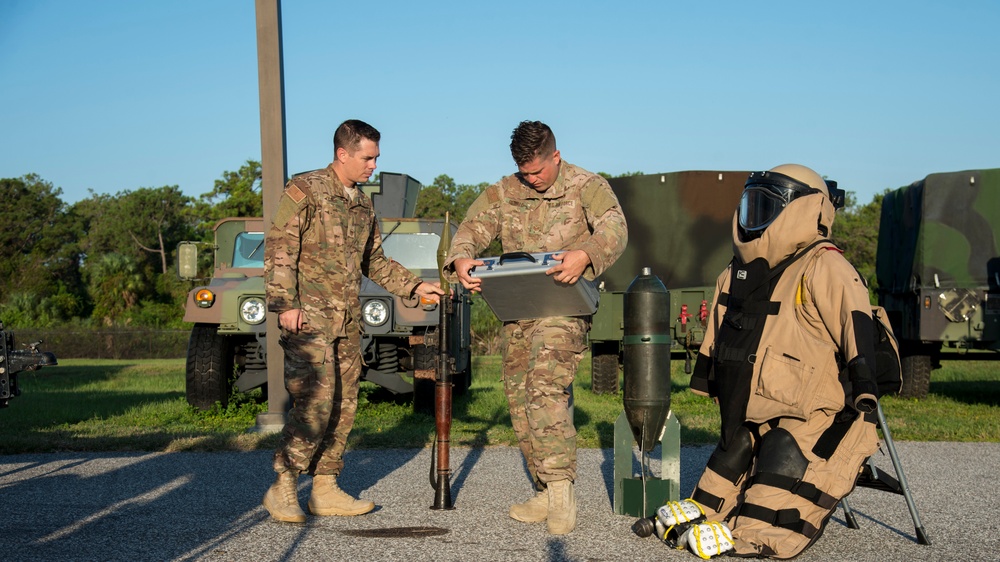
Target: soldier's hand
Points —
{"points": [[291, 320], [429, 291], [571, 266], [462, 267]]}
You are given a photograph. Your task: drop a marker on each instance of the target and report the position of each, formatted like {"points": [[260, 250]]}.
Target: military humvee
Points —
{"points": [[228, 341], [938, 270], [680, 225], [228, 337]]}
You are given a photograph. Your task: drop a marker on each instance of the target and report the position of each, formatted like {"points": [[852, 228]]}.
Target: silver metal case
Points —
{"points": [[515, 287]]}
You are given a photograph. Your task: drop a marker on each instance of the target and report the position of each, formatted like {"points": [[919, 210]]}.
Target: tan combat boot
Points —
{"points": [[328, 499], [282, 500], [534, 510], [562, 507]]}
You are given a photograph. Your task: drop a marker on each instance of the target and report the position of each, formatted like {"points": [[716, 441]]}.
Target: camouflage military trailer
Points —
{"points": [[938, 270], [228, 346], [680, 225]]}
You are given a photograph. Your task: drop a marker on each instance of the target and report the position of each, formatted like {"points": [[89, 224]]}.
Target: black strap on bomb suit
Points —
{"points": [[784, 518], [805, 490], [748, 304]]}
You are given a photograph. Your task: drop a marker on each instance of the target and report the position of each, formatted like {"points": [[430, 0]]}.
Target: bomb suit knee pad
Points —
{"points": [[782, 512], [721, 483], [780, 455]]}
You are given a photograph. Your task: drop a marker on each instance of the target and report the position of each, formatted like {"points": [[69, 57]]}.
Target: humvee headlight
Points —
{"points": [[375, 312], [253, 310], [204, 298]]}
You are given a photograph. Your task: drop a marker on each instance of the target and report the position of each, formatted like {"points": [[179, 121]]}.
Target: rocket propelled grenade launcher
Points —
{"points": [[441, 475]]}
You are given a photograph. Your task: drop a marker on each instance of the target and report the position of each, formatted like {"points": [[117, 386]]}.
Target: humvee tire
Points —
{"points": [[423, 389], [209, 363], [463, 380]]}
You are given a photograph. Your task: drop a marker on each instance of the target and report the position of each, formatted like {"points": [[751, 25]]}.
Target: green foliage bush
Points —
{"points": [[485, 328], [168, 315], [242, 406]]}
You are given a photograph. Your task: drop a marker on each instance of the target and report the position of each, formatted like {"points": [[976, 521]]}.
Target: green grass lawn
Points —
{"points": [[111, 405]]}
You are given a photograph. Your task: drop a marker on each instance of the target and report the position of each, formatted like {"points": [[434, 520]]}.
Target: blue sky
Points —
{"points": [[112, 95]]}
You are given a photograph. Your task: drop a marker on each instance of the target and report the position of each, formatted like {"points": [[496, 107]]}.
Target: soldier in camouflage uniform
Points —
{"points": [[550, 205], [324, 238]]}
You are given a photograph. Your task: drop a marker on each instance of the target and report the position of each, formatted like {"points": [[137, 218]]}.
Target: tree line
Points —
{"points": [[108, 260]]}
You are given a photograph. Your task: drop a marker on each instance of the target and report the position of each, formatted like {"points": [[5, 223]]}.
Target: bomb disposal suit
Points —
{"points": [[789, 355]]}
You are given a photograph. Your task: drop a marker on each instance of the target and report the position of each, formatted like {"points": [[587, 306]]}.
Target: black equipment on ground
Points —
{"points": [[14, 361], [646, 364], [646, 358]]}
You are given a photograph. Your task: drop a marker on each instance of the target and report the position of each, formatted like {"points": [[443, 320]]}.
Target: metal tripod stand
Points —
{"points": [[872, 477]]}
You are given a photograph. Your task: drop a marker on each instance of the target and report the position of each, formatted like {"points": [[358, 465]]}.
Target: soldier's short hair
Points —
{"points": [[350, 133], [530, 140]]}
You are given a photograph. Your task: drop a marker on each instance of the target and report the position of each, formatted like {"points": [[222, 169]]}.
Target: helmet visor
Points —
{"points": [[760, 205]]}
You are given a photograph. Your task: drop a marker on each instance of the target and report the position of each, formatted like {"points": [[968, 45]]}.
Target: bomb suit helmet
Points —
{"points": [[766, 194]]}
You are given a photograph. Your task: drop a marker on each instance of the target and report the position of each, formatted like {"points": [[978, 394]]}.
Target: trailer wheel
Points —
{"points": [[604, 368], [209, 364], [916, 367]]}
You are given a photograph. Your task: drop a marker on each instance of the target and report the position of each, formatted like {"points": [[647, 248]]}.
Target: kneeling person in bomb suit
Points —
{"points": [[791, 315]]}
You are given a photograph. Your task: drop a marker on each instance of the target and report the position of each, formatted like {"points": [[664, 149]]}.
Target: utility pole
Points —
{"points": [[274, 171]]}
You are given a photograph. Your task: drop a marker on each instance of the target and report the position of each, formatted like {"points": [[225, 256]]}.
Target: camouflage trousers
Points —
{"points": [[540, 358], [322, 378]]}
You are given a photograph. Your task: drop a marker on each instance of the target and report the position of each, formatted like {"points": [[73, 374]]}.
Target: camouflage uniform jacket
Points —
{"points": [[577, 212], [319, 246]]}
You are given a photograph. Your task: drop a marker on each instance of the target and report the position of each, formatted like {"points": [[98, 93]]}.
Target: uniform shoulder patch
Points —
{"points": [[493, 194], [487, 200], [598, 197], [295, 193]]}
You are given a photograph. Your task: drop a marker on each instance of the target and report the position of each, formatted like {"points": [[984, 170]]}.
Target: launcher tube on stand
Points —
{"points": [[441, 469]]}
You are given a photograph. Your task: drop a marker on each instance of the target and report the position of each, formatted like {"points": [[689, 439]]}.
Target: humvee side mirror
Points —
{"points": [[187, 261]]}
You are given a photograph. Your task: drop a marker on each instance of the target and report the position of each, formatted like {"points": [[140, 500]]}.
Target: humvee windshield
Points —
{"points": [[413, 251], [249, 250]]}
